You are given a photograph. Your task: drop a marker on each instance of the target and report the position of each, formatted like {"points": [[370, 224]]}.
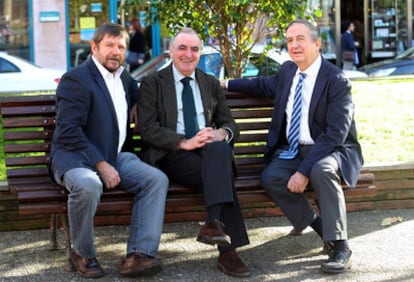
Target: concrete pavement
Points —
{"points": [[380, 253]]}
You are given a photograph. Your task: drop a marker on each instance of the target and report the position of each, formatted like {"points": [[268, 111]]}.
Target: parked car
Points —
{"points": [[211, 62], [18, 75], [79, 52], [402, 64]]}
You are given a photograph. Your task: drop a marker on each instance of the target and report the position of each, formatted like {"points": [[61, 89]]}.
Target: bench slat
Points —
{"points": [[24, 161], [43, 110], [28, 135], [18, 122]]}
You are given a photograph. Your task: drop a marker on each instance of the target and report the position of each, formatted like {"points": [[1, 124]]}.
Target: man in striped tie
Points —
{"points": [[312, 141]]}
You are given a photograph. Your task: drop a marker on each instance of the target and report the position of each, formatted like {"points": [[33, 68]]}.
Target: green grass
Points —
{"points": [[384, 114]]}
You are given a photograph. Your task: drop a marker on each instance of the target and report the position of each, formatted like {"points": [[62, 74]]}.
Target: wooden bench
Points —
{"points": [[28, 124]]}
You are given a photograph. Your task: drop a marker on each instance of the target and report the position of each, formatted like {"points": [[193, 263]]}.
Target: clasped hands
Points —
{"points": [[203, 137]]}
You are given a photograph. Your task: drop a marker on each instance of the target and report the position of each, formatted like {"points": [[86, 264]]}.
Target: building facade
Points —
{"points": [[56, 33]]}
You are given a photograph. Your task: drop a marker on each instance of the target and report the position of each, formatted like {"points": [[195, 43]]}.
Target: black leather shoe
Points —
{"points": [[338, 262], [89, 268]]}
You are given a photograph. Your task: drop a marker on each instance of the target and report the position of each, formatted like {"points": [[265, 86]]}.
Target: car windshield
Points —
{"points": [[407, 54], [211, 64]]}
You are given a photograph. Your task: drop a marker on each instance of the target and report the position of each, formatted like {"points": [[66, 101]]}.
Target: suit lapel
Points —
{"points": [[104, 90], [290, 73], [320, 82], [205, 92], [169, 97]]}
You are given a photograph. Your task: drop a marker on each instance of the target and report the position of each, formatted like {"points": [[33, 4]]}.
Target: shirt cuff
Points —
{"points": [[229, 136]]}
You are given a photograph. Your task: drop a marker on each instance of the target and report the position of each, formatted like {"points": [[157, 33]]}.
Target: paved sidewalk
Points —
{"points": [[381, 253]]}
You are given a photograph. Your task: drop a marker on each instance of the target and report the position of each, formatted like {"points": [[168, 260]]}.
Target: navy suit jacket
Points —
{"points": [[86, 123], [331, 121], [347, 42]]}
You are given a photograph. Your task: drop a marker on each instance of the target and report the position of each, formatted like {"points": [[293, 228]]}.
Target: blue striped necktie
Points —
{"points": [[189, 110], [294, 129]]}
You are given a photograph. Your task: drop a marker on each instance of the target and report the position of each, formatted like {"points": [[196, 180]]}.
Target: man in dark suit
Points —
{"points": [[90, 154], [325, 149], [349, 54], [202, 158]]}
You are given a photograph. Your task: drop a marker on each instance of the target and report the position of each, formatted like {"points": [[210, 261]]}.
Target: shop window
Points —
{"points": [[14, 28], [326, 25], [388, 21], [84, 17]]}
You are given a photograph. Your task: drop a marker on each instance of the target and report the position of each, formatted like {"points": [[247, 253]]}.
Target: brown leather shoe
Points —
{"points": [[212, 233], [231, 264], [89, 268], [137, 264]]}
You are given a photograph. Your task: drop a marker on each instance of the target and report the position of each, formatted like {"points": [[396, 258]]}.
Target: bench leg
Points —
{"points": [[69, 267], [53, 239]]}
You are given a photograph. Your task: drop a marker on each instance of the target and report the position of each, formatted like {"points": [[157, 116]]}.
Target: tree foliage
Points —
{"points": [[236, 25]]}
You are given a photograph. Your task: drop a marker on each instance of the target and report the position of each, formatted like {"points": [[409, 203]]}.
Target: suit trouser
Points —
{"points": [[210, 170], [324, 179]]}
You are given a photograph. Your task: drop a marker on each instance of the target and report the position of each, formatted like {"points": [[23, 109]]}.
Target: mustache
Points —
{"points": [[117, 58]]}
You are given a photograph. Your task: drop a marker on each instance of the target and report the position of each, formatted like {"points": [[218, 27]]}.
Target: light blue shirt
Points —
{"points": [[197, 101]]}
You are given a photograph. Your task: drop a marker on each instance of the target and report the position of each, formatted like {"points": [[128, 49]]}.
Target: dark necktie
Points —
{"points": [[189, 111], [294, 129]]}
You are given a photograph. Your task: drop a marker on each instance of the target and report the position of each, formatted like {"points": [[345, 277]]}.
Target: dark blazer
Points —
{"points": [[86, 123], [347, 42], [157, 111], [331, 122]]}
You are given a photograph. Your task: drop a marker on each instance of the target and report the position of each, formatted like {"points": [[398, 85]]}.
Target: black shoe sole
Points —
{"points": [[336, 270]]}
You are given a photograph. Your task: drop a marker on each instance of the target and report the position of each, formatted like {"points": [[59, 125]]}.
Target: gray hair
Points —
{"points": [[312, 28], [186, 30]]}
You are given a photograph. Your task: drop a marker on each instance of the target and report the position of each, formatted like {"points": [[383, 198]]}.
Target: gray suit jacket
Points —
{"points": [[157, 112]]}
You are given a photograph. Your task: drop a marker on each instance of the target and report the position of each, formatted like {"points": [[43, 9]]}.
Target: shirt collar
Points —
{"points": [[178, 76], [313, 69], [104, 72]]}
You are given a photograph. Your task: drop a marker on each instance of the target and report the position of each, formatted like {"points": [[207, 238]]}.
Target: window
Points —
{"points": [[84, 17], [7, 67], [14, 28]]}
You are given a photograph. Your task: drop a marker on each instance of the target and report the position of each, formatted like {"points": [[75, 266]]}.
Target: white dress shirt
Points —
{"points": [[116, 90], [307, 90]]}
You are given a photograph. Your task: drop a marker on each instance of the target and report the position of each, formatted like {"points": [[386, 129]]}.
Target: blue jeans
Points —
{"points": [[150, 187]]}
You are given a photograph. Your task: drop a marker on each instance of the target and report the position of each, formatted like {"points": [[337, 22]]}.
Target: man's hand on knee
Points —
{"points": [[297, 183]]}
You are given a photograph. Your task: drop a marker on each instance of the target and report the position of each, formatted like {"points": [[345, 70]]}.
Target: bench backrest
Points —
{"points": [[29, 121]]}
